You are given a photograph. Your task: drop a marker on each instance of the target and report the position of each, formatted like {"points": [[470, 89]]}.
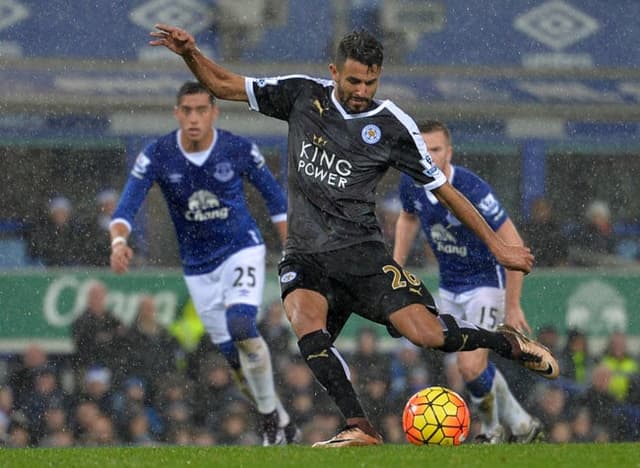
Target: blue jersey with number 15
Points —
{"points": [[206, 201], [464, 261]]}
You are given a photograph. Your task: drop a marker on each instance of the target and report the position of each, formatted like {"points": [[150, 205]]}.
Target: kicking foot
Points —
{"points": [[530, 353], [534, 434], [351, 436]]}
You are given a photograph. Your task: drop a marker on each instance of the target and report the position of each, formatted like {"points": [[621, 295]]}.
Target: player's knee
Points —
{"points": [[241, 322], [419, 326]]}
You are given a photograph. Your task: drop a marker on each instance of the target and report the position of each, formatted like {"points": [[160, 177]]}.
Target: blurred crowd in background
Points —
{"points": [[138, 385], [61, 237]]}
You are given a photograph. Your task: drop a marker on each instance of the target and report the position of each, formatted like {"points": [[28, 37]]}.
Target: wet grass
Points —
{"points": [[395, 456]]}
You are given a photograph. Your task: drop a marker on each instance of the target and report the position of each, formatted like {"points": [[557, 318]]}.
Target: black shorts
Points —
{"points": [[362, 279]]}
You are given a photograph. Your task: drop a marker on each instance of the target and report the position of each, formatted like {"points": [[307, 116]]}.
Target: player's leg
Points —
{"points": [[243, 277], [449, 334], [307, 310], [210, 293], [484, 306], [478, 373]]}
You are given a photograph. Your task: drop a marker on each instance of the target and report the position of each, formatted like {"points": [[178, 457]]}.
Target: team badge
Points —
{"points": [[371, 134], [223, 172], [288, 277]]}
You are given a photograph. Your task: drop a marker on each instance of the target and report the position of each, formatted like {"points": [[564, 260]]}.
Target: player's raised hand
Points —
{"points": [[173, 38], [121, 255], [515, 257]]}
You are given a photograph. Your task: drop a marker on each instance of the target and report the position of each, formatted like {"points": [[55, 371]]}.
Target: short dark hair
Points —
{"points": [[360, 46], [194, 87], [428, 126]]}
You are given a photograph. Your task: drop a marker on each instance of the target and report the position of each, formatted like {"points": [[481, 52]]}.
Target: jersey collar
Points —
{"points": [[200, 157], [346, 115]]}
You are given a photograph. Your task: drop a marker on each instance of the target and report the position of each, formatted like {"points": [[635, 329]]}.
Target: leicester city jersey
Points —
{"points": [[206, 202], [464, 261], [336, 159]]}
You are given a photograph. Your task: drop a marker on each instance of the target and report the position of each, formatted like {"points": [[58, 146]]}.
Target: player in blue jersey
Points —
{"points": [[341, 142], [473, 285], [200, 170]]}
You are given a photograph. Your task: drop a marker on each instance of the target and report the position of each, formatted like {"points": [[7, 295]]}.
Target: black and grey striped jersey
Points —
{"points": [[336, 159]]}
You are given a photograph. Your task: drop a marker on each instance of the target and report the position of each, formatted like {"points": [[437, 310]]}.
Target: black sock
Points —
{"points": [[460, 335], [328, 367]]}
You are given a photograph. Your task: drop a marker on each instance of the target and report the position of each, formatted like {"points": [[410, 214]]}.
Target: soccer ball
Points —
{"points": [[436, 416]]}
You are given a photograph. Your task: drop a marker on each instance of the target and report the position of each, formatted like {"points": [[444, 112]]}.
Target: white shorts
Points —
{"points": [[239, 280], [483, 307]]}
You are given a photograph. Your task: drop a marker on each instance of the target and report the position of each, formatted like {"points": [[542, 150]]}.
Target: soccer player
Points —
{"points": [[341, 142], [200, 170], [473, 285]]}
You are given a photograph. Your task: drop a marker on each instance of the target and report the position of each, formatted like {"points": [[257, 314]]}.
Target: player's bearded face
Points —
{"points": [[356, 84]]}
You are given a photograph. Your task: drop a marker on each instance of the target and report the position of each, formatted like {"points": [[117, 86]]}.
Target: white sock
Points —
{"points": [[487, 409], [238, 377], [255, 361], [511, 413]]}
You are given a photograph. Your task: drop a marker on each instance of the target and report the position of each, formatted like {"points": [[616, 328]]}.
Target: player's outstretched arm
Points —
{"points": [[513, 257], [223, 83], [514, 315], [121, 253], [407, 226]]}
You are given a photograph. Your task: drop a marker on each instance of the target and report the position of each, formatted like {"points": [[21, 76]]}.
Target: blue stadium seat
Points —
{"points": [[13, 253]]}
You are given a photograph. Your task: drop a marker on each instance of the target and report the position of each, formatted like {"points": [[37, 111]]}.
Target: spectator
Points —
{"points": [[234, 429], [409, 372], [137, 430], [239, 26], [299, 390], [96, 333], [149, 350], [582, 426], [276, 331], [368, 361], [129, 405], [6, 412], [560, 432], [549, 337], [575, 361], [96, 251], [624, 367], [600, 403], [97, 388], [102, 433], [544, 236], [18, 435], [21, 379], [595, 240], [553, 405], [54, 241], [46, 394], [56, 431], [83, 415], [215, 391]]}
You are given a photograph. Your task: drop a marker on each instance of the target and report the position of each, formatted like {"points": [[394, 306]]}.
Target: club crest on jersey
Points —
{"points": [[223, 172], [288, 277], [371, 134]]}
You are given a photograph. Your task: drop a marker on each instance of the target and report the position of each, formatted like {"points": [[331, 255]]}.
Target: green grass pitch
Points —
{"points": [[395, 456]]}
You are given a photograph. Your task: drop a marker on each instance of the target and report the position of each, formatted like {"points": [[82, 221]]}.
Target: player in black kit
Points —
{"points": [[341, 142]]}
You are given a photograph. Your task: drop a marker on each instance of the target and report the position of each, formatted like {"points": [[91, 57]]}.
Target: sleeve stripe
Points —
{"points": [[248, 86]]}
